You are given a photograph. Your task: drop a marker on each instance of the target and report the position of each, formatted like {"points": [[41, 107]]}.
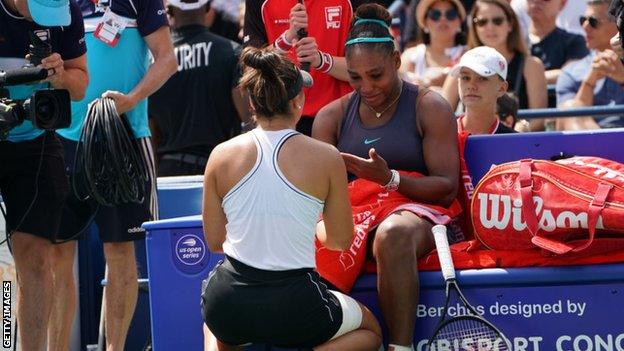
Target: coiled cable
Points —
{"points": [[108, 167]]}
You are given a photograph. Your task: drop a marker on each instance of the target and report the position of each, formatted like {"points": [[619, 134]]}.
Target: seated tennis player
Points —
{"points": [[263, 194]]}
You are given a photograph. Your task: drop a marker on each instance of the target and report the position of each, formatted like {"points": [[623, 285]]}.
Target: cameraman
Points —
{"points": [[617, 10], [32, 176]]}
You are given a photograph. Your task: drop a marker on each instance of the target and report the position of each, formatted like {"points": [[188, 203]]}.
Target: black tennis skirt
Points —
{"points": [[242, 304]]}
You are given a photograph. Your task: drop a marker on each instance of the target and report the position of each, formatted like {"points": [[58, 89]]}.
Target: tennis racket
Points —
{"points": [[467, 332]]}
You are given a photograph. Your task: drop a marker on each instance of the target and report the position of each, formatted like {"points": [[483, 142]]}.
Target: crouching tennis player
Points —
{"points": [[263, 194]]}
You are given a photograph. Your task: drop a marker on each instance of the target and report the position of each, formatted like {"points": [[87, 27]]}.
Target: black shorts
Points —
{"points": [[118, 223], [242, 304], [33, 185]]}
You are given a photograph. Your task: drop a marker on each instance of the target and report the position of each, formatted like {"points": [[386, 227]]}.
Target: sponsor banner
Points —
{"points": [[535, 318]]}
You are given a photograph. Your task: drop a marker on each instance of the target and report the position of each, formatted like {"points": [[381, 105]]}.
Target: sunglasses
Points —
{"points": [[482, 22], [435, 15], [593, 21]]}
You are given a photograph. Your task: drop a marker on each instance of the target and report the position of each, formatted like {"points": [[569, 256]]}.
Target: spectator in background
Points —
{"points": [[119, 68], [409, 35], [553, 45], [566, 20], [507, 111], [277, 23], [439, 24], [481, 75], [200, 106], [494, 24], [616, 9], [596, 79], [224, 20]]}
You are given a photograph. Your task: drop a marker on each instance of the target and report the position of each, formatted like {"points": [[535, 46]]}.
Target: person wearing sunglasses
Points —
{"points": [[440, 28], [598, 78], [494, 24], [553, 45]]}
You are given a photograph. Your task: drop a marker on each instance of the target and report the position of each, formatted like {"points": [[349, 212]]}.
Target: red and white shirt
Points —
{"points": [[329, 22]]}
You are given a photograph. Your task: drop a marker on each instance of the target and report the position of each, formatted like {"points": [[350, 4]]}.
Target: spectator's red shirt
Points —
{"points": [[329, 22]]}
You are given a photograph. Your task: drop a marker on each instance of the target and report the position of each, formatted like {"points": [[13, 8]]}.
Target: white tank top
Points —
{"points": [[271, 224], [420, 61]]}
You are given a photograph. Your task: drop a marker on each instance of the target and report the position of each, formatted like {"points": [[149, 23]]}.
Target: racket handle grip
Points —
{"points": [[444, 252]]}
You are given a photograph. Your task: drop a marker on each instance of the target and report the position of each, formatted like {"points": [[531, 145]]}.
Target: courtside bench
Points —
{"points": [[575, 308]]}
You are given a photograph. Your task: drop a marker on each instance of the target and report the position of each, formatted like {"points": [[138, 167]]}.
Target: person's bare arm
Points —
{"points": [[450, 92], [552, 75], [67, 74], [536, 87], [439, 135], [163, 67], [326, 125], [337, 215], [213, 217]]}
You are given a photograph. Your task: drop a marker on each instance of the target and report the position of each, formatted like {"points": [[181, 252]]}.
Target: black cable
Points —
{"points": [[108, 167]]}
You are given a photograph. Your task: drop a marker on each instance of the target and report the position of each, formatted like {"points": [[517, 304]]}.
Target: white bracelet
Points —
{"points": [[395, 180]]}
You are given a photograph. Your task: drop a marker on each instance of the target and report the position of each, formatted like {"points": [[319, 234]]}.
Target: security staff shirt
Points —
{"points": [[193, 110]]}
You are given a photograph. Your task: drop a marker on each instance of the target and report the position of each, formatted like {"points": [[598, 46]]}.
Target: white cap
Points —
{"points": [[484, 60], [186, 5]]}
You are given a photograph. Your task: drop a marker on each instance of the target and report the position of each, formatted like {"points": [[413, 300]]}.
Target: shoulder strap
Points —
{"points": [[344, 102]]}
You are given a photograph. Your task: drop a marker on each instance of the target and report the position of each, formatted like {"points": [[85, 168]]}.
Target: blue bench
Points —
{"points": [[555, 308]]}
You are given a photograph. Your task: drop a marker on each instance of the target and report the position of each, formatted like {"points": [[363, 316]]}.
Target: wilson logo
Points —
{"points": [[498, 211]]}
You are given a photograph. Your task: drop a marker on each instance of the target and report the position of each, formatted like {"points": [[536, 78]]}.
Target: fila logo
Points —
{"points": [[43, 34], [333, 14]]}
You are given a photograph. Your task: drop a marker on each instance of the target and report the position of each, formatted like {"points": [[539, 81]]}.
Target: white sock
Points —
{"points": [[393, 347]]}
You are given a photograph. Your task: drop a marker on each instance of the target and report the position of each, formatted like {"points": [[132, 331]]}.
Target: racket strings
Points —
{"points": [[468, 334]]}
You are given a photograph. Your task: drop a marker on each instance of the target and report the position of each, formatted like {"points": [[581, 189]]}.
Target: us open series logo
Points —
{"points": [[6, 313]]}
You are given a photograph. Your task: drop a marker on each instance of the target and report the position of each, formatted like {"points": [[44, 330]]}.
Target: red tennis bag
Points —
{"points": [[558, 206]]}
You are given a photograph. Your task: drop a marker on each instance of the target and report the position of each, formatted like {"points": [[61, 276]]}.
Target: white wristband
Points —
{"points": [[395, 180]]}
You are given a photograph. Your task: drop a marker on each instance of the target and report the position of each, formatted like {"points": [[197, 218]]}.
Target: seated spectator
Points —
{"points": [[553, 45], [596, 79], [481, 75], [507, 110], [439, 26], [566, 20], [494, 24]]}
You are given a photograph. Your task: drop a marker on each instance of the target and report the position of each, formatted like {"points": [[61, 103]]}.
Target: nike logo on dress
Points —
{"points": [[368, 142]]}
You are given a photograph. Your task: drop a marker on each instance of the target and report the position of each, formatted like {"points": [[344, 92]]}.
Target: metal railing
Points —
{"points": [[605, 110]]}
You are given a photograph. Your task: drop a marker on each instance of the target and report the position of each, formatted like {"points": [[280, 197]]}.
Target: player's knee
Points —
{"points": [[394, 239], [369, 322]]}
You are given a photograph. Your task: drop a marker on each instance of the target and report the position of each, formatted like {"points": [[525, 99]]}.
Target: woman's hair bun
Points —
{"points": [[262, 60]]}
